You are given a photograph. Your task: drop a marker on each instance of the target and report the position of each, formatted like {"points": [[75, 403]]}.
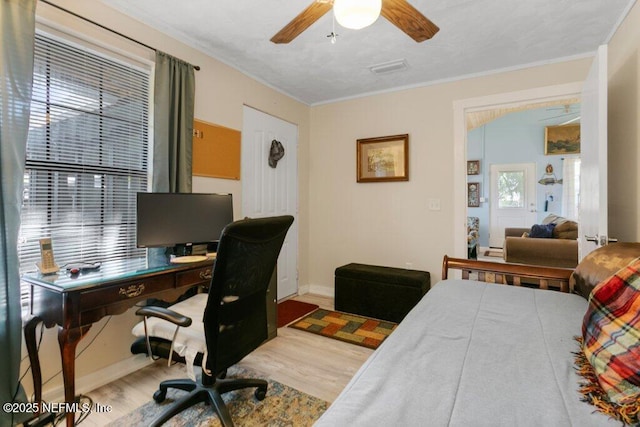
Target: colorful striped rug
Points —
{"points": [[347, 327]]}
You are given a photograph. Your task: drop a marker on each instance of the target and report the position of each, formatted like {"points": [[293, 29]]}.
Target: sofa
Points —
{"points": [[558, 247]]}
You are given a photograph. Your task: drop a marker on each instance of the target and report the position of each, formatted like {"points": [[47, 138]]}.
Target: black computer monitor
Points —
{"points": [[179, 220]]}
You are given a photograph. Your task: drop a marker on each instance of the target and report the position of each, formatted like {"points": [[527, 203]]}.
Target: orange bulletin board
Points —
{"points": [[216, 151]]}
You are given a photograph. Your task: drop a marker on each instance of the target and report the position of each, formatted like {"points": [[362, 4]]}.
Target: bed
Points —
{"points": [[474, 353]]}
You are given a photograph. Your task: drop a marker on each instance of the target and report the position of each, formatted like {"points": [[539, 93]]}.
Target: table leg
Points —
{"points": [[68, 339], [34, 359]]}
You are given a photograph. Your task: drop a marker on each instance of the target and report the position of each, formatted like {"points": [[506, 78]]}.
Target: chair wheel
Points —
{"points": [[159, 396], [260, 393]]}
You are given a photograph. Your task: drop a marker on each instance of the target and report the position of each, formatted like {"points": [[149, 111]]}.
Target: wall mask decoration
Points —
{"points": [[275, 153]]}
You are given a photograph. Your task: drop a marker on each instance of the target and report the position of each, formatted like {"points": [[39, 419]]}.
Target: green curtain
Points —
{"points": [[17, 31], [174, 95]]}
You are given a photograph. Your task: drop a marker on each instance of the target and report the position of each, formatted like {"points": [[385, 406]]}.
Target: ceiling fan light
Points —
{"points": [[356, 14]]}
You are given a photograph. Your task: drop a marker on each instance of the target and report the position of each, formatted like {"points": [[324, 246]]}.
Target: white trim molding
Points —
{"points": [[100, 377]]}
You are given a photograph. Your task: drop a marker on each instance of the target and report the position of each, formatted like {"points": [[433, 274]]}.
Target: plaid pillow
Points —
{"points": [[611, 338]]}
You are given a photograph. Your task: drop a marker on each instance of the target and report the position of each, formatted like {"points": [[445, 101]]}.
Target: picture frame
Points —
{"points": [[473, 167], [473, 194], [382, 159], [562, 139]]}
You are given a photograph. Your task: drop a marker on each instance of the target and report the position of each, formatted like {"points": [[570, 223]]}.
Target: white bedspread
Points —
{"points": [[474, 354]]}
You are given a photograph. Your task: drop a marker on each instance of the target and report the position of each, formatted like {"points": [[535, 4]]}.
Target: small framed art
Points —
{"points": [[562, 139], [473, 194], [473, 167], [382, 159]]}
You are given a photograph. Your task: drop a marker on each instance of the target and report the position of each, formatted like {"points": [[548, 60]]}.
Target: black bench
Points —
{"points": [[384, 293]]}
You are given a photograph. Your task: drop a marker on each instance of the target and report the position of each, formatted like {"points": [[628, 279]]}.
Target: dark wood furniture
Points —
{"points": [[75, 302], [385, 293], [509, 274]]}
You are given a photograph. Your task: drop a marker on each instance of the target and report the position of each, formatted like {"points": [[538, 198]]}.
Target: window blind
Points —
{"points": [[87, 155]]}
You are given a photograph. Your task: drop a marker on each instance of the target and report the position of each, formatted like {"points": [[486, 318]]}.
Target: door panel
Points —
{"points": [[513, 199], [593, 169], [269, 191]]}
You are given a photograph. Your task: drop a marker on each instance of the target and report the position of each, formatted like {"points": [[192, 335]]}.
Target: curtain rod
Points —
{"points": [[195, 67]]}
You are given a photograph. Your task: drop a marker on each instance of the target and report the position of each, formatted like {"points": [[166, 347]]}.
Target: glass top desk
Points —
{"points": [[75, 302]]}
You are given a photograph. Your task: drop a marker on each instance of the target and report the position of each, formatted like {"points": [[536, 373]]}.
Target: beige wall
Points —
{"points": [[390, 223], [624, 129], [221, 92]]}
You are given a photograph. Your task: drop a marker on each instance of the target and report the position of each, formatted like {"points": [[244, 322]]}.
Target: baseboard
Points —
{"points": [[99, 378], [317, 290]]}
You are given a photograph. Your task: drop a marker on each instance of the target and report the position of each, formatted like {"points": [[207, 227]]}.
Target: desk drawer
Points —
{"points": [[129, 290], [200, 276]]}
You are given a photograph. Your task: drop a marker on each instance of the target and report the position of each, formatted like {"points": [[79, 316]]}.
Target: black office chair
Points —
{"points": [[235, 313]]}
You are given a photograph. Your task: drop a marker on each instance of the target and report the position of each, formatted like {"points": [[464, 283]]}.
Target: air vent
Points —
{"points": [[389, 67]]}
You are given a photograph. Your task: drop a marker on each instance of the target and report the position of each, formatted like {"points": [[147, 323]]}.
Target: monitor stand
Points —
{"points": [[186, 253]]}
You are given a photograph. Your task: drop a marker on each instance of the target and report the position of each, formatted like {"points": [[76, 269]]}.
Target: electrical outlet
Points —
{"points": [[434, 204], [408, 265]]}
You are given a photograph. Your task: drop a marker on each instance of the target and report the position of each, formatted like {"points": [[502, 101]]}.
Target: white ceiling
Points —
{"points": [[475, 37]]}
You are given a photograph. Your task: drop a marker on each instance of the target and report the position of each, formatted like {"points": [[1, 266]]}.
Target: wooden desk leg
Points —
{"points": [[34, 359], [68, 339]]}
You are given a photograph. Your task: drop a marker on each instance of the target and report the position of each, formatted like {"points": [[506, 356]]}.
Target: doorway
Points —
{"points": [[270, 183], [462, 108], [512, 199]]}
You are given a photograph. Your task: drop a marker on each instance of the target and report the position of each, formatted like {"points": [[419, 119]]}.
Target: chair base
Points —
{"points": [[209, 394]]}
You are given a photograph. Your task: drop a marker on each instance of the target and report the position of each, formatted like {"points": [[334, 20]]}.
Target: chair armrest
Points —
{"points": [[165, 314], [515, 231], [537, 251]]}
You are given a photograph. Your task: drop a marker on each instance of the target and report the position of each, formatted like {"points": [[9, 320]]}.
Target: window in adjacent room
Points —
{"points": [[87, 154], [511, 189], [570, 187]]}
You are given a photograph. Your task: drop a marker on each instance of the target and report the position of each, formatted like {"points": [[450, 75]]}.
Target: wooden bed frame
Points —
{"points": [[509, 274]]}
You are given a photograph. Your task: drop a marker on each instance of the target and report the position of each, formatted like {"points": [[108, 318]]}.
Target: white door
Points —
{"points": [[269, 191], [513, 199], [593, 227]]}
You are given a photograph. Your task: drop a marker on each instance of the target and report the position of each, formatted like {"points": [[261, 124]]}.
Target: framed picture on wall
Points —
{"points": [[382, 159], [473, 194], [473, 167], [562, 139]]}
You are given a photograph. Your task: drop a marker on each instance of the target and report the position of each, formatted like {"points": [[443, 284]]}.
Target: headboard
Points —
{"points": [[509, 274]]}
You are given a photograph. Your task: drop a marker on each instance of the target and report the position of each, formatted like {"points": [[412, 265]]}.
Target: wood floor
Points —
{"points": [[310, 363]]}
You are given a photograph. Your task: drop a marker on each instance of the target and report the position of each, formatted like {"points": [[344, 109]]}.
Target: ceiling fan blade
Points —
{"points": [[562, 115], [408, 19], [301, 22]]}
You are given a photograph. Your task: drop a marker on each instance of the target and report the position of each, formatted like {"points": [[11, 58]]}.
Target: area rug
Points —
{"points": [[283, 406], [351, 328], [290, 310]]}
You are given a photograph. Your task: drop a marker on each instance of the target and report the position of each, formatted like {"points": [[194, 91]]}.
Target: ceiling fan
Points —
{"points": [[565, 111], [400, 13]]}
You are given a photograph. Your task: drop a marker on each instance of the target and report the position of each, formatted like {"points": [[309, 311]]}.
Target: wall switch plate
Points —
{"points": [[434, 204]]}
